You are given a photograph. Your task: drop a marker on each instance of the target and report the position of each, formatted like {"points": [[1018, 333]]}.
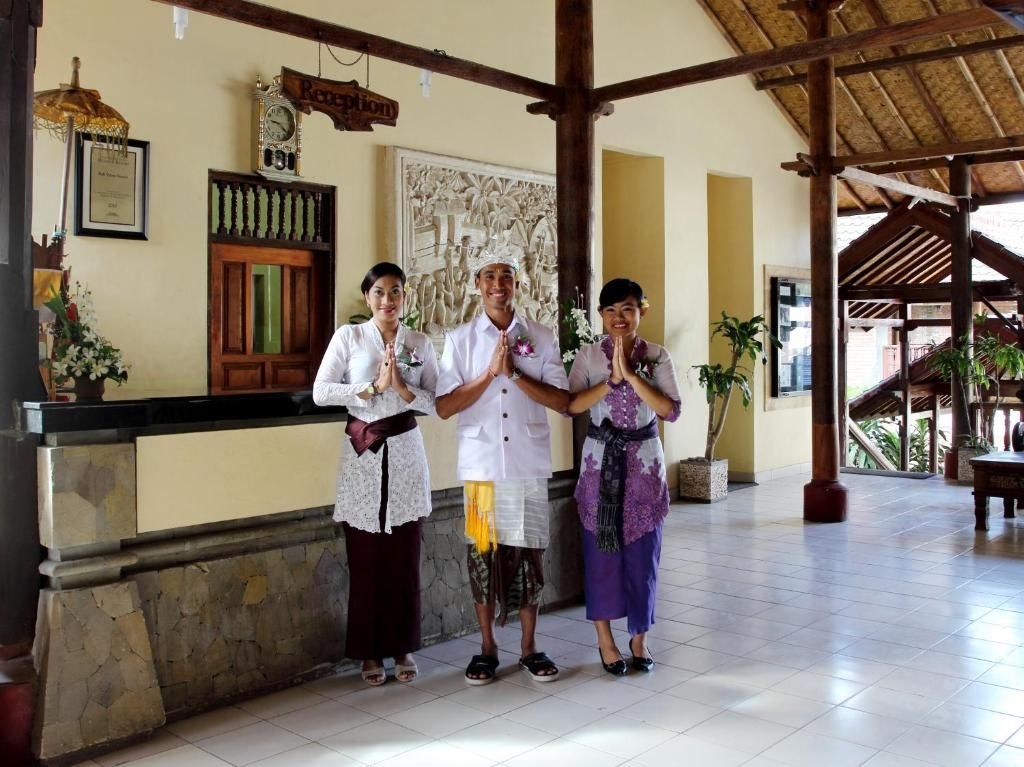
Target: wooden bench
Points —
{"points": [[997, 475]]}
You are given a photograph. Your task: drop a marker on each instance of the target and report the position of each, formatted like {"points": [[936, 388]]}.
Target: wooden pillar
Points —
{"points": [[933, 436], [19, 376], [824, 496], [905, 400], [961, 304], [844, 405], [574, 146]]}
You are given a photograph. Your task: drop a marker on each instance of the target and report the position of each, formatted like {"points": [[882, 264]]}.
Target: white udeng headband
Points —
{"points": [[498, 251]]}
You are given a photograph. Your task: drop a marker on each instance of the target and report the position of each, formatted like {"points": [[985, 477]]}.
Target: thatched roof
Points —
{"points": [[962, 98]]}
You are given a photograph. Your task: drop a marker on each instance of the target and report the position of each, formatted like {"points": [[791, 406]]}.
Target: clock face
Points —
{"points": [[279, 123]]}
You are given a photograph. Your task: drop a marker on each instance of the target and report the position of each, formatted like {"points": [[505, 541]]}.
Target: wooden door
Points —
{"points": [[248, 351]]}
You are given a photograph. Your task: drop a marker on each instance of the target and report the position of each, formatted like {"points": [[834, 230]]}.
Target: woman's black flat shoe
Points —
{"points": [[640, 663], [617, 668]]}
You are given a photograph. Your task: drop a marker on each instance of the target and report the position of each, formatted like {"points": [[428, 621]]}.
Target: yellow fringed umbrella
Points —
{"points": [[72, 109]]}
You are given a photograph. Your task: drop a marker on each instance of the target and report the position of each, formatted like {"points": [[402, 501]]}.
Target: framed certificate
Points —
{"points": [[111, 190]]}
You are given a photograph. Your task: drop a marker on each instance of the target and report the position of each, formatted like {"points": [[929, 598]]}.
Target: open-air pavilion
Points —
{"points": [[171, 550]]}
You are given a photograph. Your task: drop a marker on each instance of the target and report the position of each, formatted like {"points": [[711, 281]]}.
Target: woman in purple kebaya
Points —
{"points": [[627, 384]]}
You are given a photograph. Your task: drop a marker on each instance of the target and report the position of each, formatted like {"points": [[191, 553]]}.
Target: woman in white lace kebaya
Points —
{"points": [[382, 372]]}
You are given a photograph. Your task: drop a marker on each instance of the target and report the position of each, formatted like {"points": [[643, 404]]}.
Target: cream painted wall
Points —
{"points": [[190, 99], [633, 230], [731, 290]]}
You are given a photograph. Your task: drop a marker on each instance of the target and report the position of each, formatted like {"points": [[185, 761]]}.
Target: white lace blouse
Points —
{"points": [[348, 367]]}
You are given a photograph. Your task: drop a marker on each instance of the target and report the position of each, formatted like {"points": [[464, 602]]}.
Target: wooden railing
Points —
{"points": [[250, 209]]}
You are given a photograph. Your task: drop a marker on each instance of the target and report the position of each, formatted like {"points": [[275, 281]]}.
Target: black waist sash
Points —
{"points": [[613, 477]]}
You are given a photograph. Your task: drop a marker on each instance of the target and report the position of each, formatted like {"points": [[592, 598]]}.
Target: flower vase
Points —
{"points": [[88, 390]]}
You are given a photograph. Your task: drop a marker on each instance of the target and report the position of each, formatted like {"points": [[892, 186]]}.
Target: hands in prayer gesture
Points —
{"points": [[388, 375], [501, 359], [620, 365]]}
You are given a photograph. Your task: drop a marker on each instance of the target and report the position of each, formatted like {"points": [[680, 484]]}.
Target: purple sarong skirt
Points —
{"points": [[622, 583]]}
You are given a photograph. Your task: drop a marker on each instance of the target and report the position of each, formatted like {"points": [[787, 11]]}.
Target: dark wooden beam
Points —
{"points": [[799, 53], [961, 295], [892, 62], [317, 30], [574, 148], [825, 497], [954, 149], [906, 400], [895, 185], [19, 376], [842, 376], [927, 294]]}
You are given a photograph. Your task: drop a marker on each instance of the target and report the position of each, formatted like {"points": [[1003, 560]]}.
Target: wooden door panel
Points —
{"points": [[299, 318], [233, 309], [242, 376], [305, 297], [290, 374]]}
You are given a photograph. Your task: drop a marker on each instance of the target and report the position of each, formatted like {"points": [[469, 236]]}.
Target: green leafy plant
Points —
{"points": [[959, 360], [884, 433], [1005, 359], [719, 381]]}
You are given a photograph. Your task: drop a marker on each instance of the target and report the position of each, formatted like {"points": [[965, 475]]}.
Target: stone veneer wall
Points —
{"points": [[134, 627], [234, 626]]}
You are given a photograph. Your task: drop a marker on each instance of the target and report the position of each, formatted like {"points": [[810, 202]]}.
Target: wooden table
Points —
{"points": [[997, 475]]}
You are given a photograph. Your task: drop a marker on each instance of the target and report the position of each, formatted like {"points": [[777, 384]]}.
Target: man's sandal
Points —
{"points": [[374, 677], [406, 672], [539, 666], [481, 670]]}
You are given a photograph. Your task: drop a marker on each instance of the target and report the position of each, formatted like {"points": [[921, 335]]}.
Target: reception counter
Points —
{"points": [[192, 559]]}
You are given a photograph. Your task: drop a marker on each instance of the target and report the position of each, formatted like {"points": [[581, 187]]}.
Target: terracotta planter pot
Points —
{"points": [[87, 390], [702, 481], [949, 465]]}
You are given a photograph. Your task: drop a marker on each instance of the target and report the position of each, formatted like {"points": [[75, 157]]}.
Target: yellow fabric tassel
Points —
{"points": [[480, 515]]}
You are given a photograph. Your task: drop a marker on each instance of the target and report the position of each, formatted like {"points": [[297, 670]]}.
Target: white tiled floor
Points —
{"points": [[893, 640]]}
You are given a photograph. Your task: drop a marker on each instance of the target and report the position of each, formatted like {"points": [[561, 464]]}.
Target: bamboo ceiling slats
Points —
{"points": [[975, 96]]}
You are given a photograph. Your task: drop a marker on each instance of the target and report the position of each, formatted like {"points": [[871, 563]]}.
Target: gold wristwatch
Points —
{"points": [[372, 389]]}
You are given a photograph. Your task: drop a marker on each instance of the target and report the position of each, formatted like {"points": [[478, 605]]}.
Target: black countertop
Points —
{"points": [[179, 412]]}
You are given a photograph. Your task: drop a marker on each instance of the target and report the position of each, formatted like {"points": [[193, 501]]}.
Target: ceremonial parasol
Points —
{"points": [[72, 109]]}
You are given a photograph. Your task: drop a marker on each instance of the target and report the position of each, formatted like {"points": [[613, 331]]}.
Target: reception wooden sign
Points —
{"points": [[350, 106]]}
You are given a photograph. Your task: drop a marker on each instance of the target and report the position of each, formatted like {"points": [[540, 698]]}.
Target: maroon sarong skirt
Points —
{"points": [[384, 588]]}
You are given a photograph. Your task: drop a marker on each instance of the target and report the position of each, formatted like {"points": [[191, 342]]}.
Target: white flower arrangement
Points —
{"points": [[580, 331], [79, 349]]}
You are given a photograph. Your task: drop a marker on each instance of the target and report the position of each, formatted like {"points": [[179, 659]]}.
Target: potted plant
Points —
{"points": [[961, 359], [80, 353], [1007, 363], [707, 479]]}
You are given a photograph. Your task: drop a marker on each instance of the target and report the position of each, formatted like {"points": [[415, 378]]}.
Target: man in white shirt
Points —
{"points": [[499, 372]]}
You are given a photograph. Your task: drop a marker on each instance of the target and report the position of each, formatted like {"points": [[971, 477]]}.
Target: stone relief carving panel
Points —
{"points": [[445, 210]]}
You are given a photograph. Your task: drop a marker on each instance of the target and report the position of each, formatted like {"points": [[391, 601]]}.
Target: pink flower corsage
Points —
{"points": [[523, 347]]}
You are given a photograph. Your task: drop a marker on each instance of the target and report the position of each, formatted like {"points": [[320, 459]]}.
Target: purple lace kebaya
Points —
{"points": [[645, 504]]}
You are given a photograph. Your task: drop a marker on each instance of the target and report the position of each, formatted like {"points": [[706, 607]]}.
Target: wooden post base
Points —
{"points": [[825, 501]]}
